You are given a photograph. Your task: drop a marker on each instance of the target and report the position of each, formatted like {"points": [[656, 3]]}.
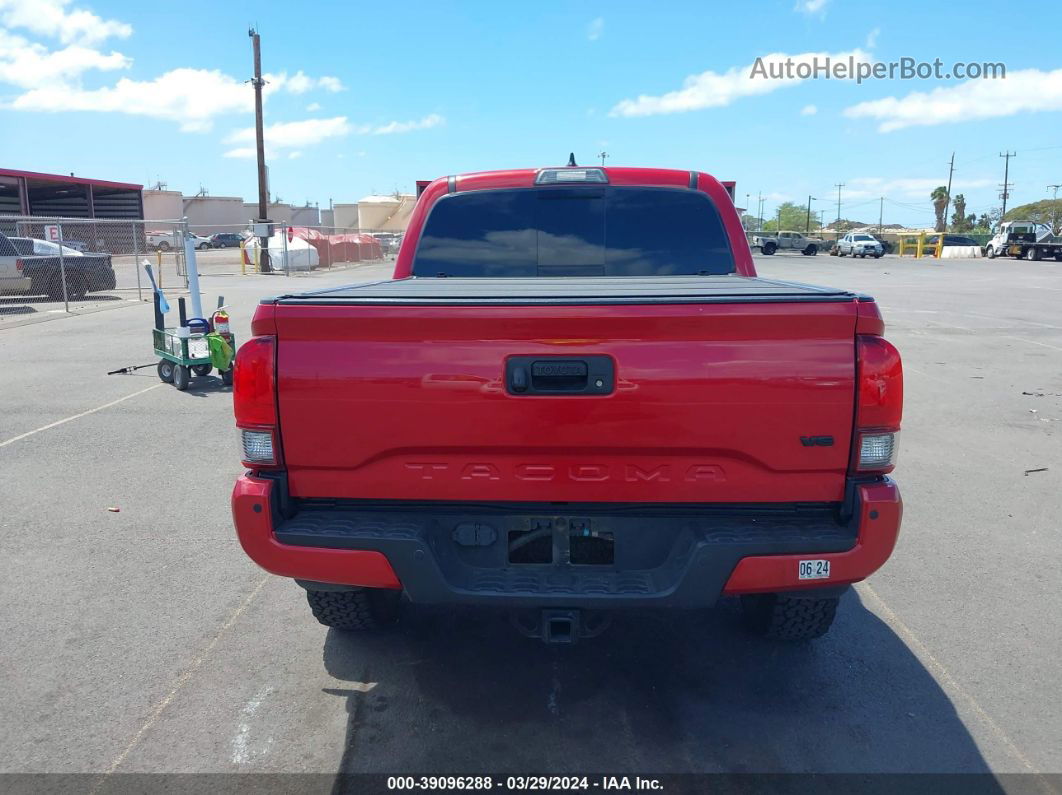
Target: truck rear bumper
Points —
{"points": [[596, 556]]}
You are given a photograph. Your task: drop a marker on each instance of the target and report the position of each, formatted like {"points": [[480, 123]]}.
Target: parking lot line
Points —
{"points": [[14, 439], [945, 678], [182, 680], [1034, 342]]}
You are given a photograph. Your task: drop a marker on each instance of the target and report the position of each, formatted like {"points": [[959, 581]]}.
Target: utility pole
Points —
{"points": [[259, 134], [1006, 185], [747, 216], [839, 185], [759, 211], [602, 155], [807, 225], [947, 197], [1054, 208], [881, 212]]}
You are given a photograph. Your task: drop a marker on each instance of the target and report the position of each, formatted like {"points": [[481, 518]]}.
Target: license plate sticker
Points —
{"points": [[814, 570]]}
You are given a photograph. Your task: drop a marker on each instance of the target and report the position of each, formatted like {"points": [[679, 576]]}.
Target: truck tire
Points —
{"points": [[788, 618], [769, 248], [990, 252], [163, 246], [811, 250], [1032, 254], [840, 253], [361, 609]]}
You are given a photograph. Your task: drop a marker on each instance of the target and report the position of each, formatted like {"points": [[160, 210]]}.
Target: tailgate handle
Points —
{"points": [[556, 375], [529, 375]]}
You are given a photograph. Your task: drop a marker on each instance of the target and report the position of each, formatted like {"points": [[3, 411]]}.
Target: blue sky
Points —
{"points": [[369, 97]]}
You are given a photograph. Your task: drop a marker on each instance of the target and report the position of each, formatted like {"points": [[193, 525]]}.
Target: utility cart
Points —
{"points": [[184, 351]]}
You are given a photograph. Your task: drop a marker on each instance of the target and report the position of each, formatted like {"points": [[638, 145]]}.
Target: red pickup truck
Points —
{"points": [[574, 395]]}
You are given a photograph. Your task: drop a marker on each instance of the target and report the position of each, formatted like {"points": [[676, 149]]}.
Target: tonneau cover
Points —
{"points": [[569, 290]]}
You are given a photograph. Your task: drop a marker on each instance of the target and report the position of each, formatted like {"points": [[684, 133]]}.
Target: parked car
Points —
{"points": [[226, 240], [637, 429], [951, 240], [200, 242], [860, 245], [389, 241], [162, 241], [85, 272], [13, 280], [794, 241]]}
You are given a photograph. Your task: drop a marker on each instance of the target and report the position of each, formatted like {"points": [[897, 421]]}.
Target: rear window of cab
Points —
{"points": [[574, 231]]}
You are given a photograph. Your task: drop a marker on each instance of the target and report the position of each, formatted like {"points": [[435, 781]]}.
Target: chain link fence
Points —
{"points": [[290, 250], [71, 264]]}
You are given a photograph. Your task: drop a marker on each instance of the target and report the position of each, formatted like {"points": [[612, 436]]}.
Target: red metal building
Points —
{"points": [[31, 193]]}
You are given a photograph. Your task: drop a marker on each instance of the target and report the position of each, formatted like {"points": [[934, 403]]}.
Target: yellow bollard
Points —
{"points": [[243, 259], [921, 244], [158, 256]]}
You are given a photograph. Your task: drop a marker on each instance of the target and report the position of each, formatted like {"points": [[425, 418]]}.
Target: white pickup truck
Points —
{"points": [[794, 241]]}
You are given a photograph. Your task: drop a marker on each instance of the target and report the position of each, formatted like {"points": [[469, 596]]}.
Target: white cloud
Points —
{"points": [[811, 7], [30, 65], [809, 110], [713, 90], [54, 19], [289, 135], [313, 106], [872, 38], [191, 97], [295, 155], [595, 29], [300, 82], [50, 77], [429, 121], [1022, 91]]}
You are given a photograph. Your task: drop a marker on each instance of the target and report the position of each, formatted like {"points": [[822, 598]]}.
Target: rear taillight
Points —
{"points": [[879, 405], [19, 265], [254, 401]]}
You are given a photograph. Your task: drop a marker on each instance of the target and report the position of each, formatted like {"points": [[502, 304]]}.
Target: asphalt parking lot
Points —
{"points": [[144, 640]]}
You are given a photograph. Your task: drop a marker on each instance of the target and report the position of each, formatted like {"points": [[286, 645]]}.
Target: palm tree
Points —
{"points": [[940, 204]]}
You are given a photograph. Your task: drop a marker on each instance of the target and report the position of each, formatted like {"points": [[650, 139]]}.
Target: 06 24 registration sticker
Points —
{"points": [[814, 570]]}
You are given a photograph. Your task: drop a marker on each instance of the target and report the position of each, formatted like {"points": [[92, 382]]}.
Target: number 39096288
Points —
{"points": [[814, 570]]}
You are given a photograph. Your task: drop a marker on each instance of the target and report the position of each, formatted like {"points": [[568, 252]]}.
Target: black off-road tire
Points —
{"points": [[201, 369], [181, 377], [788, 618], [769, 249], [363, 609], [811, 250]]}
